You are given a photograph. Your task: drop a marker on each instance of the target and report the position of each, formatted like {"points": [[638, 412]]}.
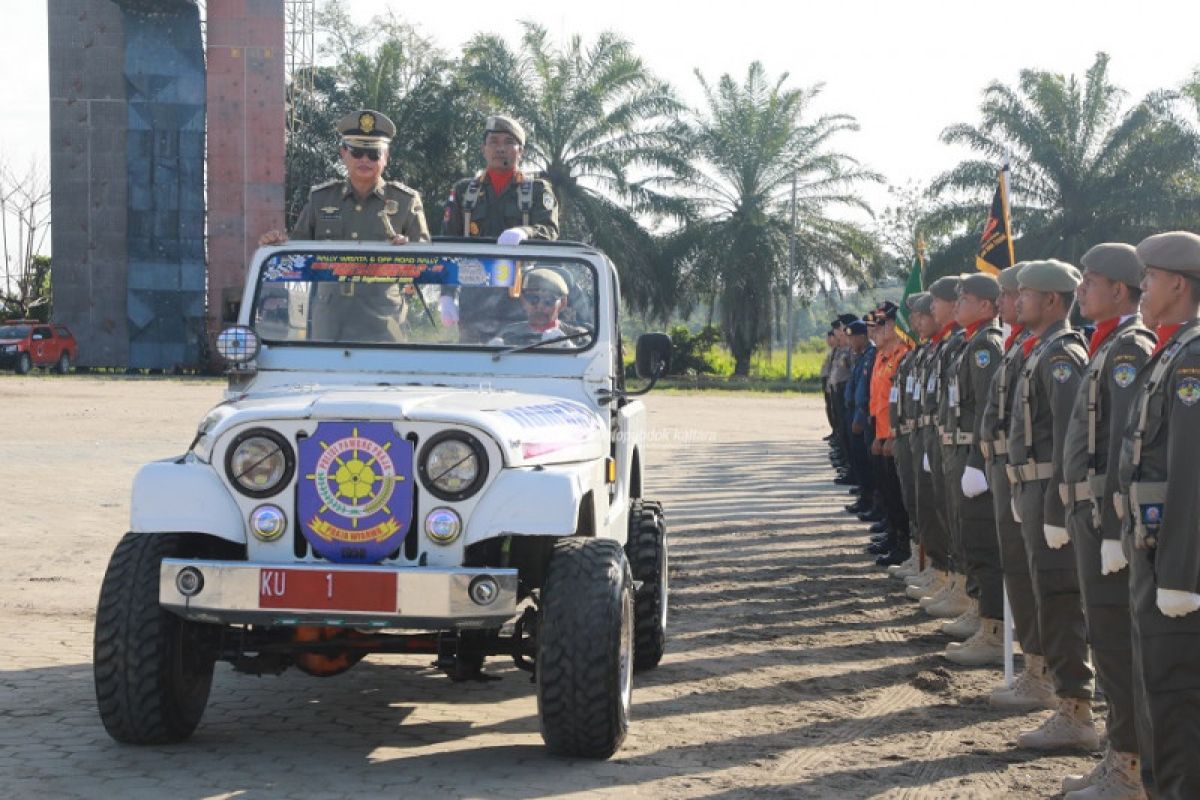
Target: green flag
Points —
{"points": [[915, 285]]}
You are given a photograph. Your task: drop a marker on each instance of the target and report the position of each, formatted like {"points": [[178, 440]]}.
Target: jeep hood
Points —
{"points": [[530, 429]]}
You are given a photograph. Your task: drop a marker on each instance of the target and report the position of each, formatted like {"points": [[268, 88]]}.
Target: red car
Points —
{"points": [[25, 344]]}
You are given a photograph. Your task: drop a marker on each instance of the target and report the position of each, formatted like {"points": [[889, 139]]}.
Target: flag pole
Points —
{"points": [[1008, 620]]}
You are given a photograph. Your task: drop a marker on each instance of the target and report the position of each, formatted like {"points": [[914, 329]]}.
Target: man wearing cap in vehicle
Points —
{"points": [[1055, 360], [361, 207], [1160, 502], [544, 295], [1121, 344]]}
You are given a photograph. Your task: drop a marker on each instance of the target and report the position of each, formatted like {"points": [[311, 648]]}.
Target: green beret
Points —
{"points": [[1177, 251], [945, 288], [545, 280], [981, 285], [1050, 275], [366, 128], [503, 124], [924, 305], [912, 300], [1008, 277], [1116, 261]]}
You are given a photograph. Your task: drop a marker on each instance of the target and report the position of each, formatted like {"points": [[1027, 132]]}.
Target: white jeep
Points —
{"points": [[423, 449]]}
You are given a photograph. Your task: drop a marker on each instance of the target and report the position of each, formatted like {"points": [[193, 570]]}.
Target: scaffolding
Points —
{"points": [[300, 38]]}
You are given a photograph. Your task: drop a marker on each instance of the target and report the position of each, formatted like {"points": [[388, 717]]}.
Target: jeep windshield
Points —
{"points": [[407, 298]]}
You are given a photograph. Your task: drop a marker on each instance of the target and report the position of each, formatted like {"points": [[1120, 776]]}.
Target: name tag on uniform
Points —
{"points": [[908, 385], [931, 384], [894, 394], [952, 392]]}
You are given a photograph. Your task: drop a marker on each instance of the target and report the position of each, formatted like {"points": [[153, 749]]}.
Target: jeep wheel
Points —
{"points": [[152, 669], [646, 550], [63, 366], [585, 649], [24, 364]]}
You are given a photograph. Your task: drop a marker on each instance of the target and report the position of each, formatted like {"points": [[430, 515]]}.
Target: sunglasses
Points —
{"points": [[537, 299], [364, 152]]}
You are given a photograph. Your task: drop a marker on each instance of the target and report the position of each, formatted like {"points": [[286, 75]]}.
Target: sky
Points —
{"points": [[904, 70]]}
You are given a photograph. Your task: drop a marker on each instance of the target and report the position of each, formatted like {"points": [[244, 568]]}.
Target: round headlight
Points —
{"points": [[259, 463], [268, 523], [237, 344], [442, 526], [453, 465]]}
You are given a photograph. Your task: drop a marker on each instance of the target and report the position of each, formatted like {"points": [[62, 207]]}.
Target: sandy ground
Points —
{"points": [[794, 669]]}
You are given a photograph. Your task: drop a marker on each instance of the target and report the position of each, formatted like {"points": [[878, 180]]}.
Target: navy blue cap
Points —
{"points": [[858, 328]]}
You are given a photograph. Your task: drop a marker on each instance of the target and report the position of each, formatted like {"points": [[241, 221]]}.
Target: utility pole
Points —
{"points": [[791, 279]]}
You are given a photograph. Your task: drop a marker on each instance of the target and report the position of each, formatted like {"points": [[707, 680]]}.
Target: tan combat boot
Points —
{"points": [[926, 586], [985, 648], [902, 572], [950, 605], [963, 626], [1119, 779], [1030, 690], [1070, 727]]}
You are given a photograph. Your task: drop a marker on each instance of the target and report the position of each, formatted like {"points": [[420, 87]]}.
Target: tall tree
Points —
{"points": [[24, 223], [752, 139], [1085, 167], [601, 128]]}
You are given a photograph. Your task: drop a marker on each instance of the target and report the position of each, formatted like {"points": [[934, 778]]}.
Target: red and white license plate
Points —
{"points": [[332, 590]]}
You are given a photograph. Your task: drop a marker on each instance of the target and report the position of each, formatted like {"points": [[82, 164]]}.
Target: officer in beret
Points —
{"points": [[1055, 359], [544, 296], [502, 203], [969, 376], [1032, 689], [360, 207], [1121, 344], [1160, 501]]}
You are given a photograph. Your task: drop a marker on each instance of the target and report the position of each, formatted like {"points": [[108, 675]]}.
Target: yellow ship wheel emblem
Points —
{"points": [[354, 477]]}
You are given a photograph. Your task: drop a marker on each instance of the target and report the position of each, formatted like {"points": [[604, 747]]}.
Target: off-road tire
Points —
{"points": [[24, 364], [63, 365], [646, 550], [152, 669], [585, 649]]}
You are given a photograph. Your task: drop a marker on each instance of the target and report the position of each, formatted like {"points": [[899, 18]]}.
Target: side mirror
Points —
{"points": [[653, 355]]}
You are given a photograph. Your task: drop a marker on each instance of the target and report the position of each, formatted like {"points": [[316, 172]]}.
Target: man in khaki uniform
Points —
{"points": [[1032, 689], [1120, 346], [903, 415], [1160, 501], [970, 375], [1050, 378], [360, 207], [951, 600]]}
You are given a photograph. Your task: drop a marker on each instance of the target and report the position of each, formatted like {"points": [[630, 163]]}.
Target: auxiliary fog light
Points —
{"points": [[189, 581], [484, 590], [443, 525], [268, 523]]}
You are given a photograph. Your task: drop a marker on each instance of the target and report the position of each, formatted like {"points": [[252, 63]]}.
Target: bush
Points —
{"points": [[692, 352]]}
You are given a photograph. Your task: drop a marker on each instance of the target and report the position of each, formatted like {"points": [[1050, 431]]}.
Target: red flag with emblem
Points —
{"points": [[996, 245]]}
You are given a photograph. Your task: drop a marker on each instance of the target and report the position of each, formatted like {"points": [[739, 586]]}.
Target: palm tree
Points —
{"points": [[1085, 168], [601, 128], [752, 140]]}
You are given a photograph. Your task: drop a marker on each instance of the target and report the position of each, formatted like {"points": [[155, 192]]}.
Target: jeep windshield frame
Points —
{"points": [[411, 277]]}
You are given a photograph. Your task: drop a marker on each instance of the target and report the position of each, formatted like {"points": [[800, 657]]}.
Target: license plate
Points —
{"points": [[333, 590]]}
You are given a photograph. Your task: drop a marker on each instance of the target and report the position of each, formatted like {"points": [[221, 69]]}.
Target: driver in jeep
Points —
{"points": [[544, 296]]}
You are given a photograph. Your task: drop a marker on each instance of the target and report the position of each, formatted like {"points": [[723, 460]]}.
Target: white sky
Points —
{"points": [[906, 70]]}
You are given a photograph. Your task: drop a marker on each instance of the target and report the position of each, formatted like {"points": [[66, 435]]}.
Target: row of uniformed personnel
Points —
{"points": [[1066, 470]]}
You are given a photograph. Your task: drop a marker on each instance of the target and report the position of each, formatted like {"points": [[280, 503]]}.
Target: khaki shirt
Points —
{"points": [[333, 212], [843, 362], [1053, 373], [1113, 371]]}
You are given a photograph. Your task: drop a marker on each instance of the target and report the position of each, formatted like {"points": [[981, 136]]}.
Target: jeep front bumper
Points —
{"points": [[239, 592]]}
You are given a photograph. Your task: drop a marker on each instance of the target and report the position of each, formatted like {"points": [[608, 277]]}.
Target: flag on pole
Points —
{"points": [[996, 244], [914, 285]]}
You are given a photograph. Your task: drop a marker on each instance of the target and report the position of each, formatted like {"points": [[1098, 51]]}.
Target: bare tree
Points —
{"points": [[24, 223]]}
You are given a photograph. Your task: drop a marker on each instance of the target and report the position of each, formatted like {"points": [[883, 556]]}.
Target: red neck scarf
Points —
{"points": [[1017, 330], [1165, 332], [944, 332], [1103, 331], [974, 326], [1028, 345], [500, 180]]}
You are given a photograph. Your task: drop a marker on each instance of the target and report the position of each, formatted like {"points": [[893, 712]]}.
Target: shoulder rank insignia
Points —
{"points": [[982, 358], [1188, 391]]}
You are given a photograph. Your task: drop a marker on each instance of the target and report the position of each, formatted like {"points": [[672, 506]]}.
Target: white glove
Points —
{"points": [[512, 236], [1175, 603], [925, 463], [1056, 537], [1112, 557], [974, 482], [448, 308], [1013, 505]]}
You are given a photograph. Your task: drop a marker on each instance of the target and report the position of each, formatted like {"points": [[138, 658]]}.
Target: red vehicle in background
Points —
{"points": [[25, 344]]}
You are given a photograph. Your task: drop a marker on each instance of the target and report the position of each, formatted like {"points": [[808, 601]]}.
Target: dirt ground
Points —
{"points": [[794, 667]]}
